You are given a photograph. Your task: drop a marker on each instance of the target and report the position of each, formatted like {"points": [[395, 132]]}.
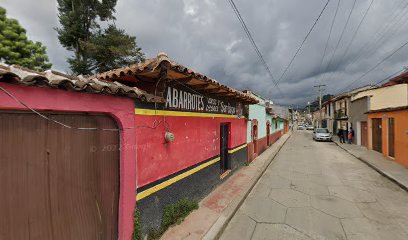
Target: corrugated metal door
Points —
{"points": [[377, 134], [56, 182]]}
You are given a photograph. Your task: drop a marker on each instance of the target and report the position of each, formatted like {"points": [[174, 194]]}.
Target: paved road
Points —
{"points": [[315, 190]]}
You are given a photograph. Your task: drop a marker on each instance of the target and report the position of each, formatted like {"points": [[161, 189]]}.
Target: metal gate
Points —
{"points": [[57, 182]]}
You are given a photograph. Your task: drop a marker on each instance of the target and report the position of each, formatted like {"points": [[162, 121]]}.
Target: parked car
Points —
{"points": [[322, 134], [300, 127], [310, 127]]}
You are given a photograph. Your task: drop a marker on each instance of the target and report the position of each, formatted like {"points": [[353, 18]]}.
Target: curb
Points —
{"points": [[383, 173], [219, 226]]}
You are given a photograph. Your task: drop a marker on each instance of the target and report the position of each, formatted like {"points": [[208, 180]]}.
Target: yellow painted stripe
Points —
{"points": [[167, 183], [152, 112], [236, 149]]}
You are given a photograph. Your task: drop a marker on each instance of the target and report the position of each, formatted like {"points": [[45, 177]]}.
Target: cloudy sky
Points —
{"points": [[205, 35]]}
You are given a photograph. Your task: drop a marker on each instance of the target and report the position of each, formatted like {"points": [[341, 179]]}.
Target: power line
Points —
{"points": [[341, 36], [388, 77], [249, 35], [375, 66], [304, 40], [385, 30], [353, 37], [330, 32], [381, 33], [155, 124]]}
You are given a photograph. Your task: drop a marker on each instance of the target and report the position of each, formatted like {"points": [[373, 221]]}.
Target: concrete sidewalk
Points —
{"points": [[217, 209], [386, 167]]}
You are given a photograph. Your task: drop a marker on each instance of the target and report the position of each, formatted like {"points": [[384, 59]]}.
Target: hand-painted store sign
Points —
{"points": [[185, 100]]}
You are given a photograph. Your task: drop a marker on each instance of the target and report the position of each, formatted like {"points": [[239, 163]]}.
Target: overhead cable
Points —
{"points": [[257, 51], [330, 32], [304, 40], [353, 37], [341, 36], [375, 66]]}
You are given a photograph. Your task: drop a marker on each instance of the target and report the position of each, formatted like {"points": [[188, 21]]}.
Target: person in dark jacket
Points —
{"points": [[340, 135]]}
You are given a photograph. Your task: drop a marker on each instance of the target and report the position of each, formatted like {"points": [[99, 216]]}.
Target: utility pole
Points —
{"points": [[320, 102]]}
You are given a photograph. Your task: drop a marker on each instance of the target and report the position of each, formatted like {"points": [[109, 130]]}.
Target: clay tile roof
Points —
{"points": [[401, 78], [151, 66], [53, 79]]}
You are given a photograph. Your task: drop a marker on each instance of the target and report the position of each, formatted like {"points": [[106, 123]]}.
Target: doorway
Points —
{"points": [[377, 134], [255, 138], [268, 132], [225, 164], [61, 183], [363, 133], [391, 137]]}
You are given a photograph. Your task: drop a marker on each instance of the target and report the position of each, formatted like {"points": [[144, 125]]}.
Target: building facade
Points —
{"points": [[341, 105], [145, 136], [388, 121], [61, 164], [328, 115], [189, 143], [359, 105], [266, 124]]}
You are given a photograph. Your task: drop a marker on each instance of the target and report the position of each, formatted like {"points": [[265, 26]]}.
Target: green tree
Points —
{"points": [[81, 33], [112, 48], [16, 48]]}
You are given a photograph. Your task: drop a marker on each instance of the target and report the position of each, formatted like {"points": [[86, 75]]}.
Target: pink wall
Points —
{"points": [[196, 139], [121, 109]]}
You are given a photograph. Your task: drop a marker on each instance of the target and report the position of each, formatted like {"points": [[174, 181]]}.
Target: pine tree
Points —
{"points": [[81, 34], [112, 48], [16, 48]]}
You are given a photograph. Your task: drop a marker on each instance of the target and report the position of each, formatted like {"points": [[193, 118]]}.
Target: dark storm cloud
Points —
{"points": [[205, 35]]}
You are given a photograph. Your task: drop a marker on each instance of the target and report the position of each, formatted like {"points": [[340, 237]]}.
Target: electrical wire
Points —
{"points": [[390, 76], [352, 38], [304, 40], [341, 36], [155, 125], [255, 47], [330, 32], [384, 30], [375, 66]]}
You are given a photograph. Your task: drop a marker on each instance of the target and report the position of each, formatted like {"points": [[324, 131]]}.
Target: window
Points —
{"points": [[322, 130]]}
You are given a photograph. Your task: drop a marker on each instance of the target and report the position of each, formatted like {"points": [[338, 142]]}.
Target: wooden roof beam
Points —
{"points": [[200, 86]]}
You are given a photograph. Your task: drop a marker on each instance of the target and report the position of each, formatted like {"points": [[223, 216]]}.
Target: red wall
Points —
{"points": [[262, 144], [196, 139], [121, 109]]}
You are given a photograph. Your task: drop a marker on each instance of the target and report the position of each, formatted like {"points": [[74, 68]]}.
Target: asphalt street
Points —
{"points": [[316, 190]]}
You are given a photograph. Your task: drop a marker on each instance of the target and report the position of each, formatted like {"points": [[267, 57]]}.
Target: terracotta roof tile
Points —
{"points": [[53, 79], [151, 65]]}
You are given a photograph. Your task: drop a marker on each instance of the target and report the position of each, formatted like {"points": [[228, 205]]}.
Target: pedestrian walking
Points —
{"points": [[350, 135], [340, 135]]}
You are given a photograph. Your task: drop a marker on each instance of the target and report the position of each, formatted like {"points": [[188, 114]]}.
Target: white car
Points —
{"points": [[322, 134]]}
